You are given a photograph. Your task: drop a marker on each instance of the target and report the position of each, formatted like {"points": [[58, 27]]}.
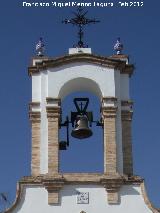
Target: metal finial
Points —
{"points": [[80, 21], [40, 47], [118, 47]]}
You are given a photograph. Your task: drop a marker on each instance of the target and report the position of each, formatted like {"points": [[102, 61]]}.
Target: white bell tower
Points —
{"points": [[117, 189]]}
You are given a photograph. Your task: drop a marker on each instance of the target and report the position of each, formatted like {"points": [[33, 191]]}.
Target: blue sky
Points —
{"points": [[21, 27]]}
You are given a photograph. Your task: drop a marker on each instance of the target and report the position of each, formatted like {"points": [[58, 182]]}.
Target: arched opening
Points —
{"points": [[80, 84], [84, 155]]}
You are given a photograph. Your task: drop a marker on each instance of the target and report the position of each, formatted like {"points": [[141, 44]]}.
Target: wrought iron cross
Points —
{"points": [[80, 21]]}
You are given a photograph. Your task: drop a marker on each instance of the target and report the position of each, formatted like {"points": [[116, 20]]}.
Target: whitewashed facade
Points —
{"points": [[46, 190]]}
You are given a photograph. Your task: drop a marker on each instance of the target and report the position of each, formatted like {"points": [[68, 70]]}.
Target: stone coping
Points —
{"points": [[83, 57], [121, 56]]}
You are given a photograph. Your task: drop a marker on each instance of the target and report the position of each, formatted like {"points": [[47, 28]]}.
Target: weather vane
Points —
{"points": [[80, 21]]}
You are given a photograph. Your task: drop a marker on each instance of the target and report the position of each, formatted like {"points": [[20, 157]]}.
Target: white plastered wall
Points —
{"points": [[36, 88], [80, 76], [103, 77], [35, 199]]}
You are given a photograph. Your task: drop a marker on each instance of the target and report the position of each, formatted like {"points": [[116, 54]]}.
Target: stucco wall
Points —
{"points": [[57, 77], [80, 76]]}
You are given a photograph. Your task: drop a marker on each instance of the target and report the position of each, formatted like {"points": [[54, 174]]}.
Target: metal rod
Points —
{"points": [[67, 119]]}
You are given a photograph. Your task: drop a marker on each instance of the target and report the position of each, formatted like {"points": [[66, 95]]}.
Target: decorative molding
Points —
{"points": [[112, 183], [35, 116], [109, 112], [53, 187], [128, 70], [34, 104], [127, 103], [112, 186], [146, 199], [109, 101], [17, 199], [109, 98], [120, 56], [53, 111], [31, 181], [71, 178], [82, 57], [79, 178], [36, 59], [53, 100], [133, 179]]}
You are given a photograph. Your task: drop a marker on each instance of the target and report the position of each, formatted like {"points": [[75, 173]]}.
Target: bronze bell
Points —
{"points": [[81, 130]]}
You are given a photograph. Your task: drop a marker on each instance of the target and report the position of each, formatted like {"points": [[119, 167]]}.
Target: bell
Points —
{"points": [[81, 130]]}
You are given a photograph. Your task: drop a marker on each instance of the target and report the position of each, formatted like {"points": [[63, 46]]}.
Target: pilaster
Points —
{"points": [[126, 115], [109, 110], [53, 187], [35, 118], [53, 114], [112, 185]]}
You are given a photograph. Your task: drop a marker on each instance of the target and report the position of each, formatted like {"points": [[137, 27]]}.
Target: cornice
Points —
{"points": [[53, 112], [34, 116], [120, 56], [33, 104], [51, 100], [85, 178], [53, 109], [109, 111], [109, 98], [82, 57], [129, 68], [127, 103], [74, 178]]}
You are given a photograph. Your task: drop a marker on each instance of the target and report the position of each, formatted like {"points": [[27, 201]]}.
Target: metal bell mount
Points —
{"points": [[81, 120]]}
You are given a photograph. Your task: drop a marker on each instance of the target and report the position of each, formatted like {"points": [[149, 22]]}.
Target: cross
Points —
{"points": [[81, 105], [80, 21]]}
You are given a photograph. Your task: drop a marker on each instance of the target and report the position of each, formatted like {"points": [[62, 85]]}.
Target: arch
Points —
{"points": [[80, 84], [93, 158]]}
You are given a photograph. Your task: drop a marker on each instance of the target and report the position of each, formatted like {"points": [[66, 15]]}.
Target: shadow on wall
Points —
{"points": [[128, 190]]}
